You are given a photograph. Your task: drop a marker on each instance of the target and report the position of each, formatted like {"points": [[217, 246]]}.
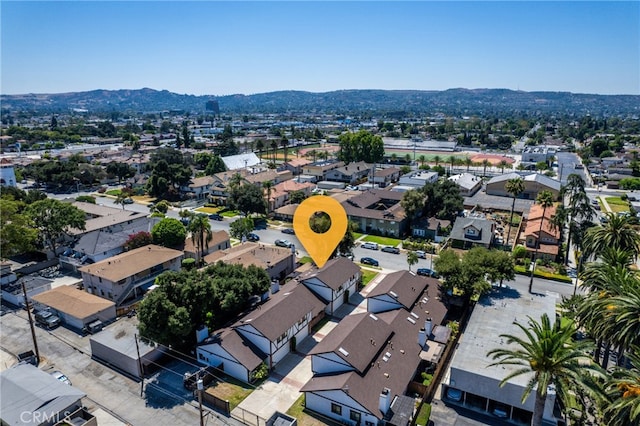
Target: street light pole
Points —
{"points": [[33, 330], [200, 389]]}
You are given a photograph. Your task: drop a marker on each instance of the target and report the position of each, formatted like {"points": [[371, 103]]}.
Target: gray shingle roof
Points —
{"points": [[335, 272], [404, 284], [461, 223]]}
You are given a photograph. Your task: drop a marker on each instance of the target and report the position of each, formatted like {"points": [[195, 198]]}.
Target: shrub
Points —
{"points": [[426, 378], [188, 263]]}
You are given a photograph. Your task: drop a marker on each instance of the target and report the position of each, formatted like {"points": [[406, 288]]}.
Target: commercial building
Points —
{"points": [[534, 183]]}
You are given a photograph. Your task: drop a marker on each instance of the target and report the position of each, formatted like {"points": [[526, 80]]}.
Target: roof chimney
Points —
{"points": [[422, 337], [428, 327], [385, 400]]}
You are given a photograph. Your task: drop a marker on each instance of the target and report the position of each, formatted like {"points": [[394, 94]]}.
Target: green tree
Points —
{"points": [[412, 259], [200, 229], [361, 146], [86, 199], [169, 232], [120, 170], [545, 200], [623, 394], [246, 198], [297, 196], [514, 187], [348, 241], [550, 355], [579, 209], [241, 228], [54, 219], [215, 165], [616, 232], [412, 202], [161, 320], [139, 239], [443, 199], [17, 231], [260, 147], [267, 186]]}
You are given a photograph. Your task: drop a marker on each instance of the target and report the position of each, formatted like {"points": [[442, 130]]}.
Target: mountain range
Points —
{"points": [[394, 102]]}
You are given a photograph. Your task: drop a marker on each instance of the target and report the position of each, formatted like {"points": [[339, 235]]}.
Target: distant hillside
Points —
{"points": [[452, 101]]}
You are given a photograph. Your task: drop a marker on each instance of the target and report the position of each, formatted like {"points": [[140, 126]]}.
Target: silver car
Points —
{"points": [[64, 379]]}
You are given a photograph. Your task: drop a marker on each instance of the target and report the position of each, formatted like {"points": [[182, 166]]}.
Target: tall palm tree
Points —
{"points": [[485, 163], [615, 232], [579, 208], [514, 187], [503, 164], [623, 394], [468, 162], [267, 186], [121, 199], [274, 147], [284, 143], [201, 234], [260, 147], [452, 161], [437, 159], [422, 160], [544, 199], [550, 356]]}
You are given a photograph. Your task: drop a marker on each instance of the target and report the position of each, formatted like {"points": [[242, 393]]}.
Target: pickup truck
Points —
{"points": [[47, 319]]}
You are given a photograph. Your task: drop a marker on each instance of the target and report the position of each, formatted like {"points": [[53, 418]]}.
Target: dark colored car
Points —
{"points": [[215, 216], [288, 231], [369, 261], [426, 272], [389, 249], [253, 237], [260, 223]]}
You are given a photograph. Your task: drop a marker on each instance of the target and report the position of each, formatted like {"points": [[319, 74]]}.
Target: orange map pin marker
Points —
{"points": [[320, 246]]}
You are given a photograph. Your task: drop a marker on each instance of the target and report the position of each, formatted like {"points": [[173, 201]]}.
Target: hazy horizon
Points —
{"points": [[220, 48]]}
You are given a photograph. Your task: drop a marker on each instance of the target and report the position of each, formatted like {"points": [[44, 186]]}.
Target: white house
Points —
{"points": [[334, 283], [266, 334]]}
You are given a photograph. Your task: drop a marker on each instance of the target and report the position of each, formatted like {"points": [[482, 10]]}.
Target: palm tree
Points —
{"points": [[616, 232], [437, 159], [544, 199], [579, 208], [412, 259], [422, 159], [394, 157], [284, 143], [503, 164], [550, 355], [468, 162], [260, 147], [514, 187], [623, 394], [121, 198], [274, 147], [200, 229], [267, 186], [452, 161], [485, 163]]}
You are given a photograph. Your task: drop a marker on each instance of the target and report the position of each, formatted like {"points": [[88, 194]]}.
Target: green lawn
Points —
{"points": [[114, 192], [385, 241], [305, 259], [208, 210], [617, 204], [367, 276], [423, 416], [229, 213], [357, 235]]}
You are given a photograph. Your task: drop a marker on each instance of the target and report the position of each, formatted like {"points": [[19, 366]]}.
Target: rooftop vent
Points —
{"points": [[343, 351]]}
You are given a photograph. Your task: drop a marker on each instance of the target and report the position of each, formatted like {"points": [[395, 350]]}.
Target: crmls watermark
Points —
{"points": [[39, 417]]}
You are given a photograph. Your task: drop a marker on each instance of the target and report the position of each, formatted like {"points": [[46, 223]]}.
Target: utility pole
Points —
{"points": [[200, 389], [140, 367], [33, 330]]}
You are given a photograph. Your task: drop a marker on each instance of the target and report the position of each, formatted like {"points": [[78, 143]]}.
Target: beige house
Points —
{"points": [[127, 275], [277, 261], [219, 241]]}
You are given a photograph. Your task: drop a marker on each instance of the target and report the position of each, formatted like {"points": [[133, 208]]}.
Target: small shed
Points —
{"points": [[77, 308], [116, 347]]}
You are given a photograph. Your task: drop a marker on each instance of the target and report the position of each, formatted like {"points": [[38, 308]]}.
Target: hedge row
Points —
{"points": [[543, 274]]}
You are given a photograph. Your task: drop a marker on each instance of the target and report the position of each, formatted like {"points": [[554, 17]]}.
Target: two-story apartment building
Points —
{"points": [[352, 173], [319, 170], [263, 336], [378, 212], [334, 283], [468, 232], [127, 275], [386, 176], [363, 367], [278, 262], [539, 232]]}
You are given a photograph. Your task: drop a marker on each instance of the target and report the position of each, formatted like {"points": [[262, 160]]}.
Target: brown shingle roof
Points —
{"points": [[132, 262], [335, 272], [405, 285], [360, 337], [249, 253], [77, 303], [282, 311]]}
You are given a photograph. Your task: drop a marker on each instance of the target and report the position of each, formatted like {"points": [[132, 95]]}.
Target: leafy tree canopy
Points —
{"points": [[54, 218], [242, 227], [16, 229], [361, 146], [139, 239], [187, 299], [169, 232], [246, 198], [443, 200]]}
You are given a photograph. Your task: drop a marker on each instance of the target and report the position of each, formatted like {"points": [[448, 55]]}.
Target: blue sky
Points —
{"points": [[221, 48]]}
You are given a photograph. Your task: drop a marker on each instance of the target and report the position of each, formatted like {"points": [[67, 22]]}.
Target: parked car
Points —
{"points": [[47, 319], [128, 201], [369, 261], [501, 411], [421, 254], [253, 237], [283, 243], [215, 216], [426, 272], [64, 379], [289, 231], [370, 246], [389, 249]]}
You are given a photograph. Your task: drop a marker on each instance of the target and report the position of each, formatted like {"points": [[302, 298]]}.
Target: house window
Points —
{"points": [[336, 409], [302, 320], [355, 416], [471, 231], [100, 279], [281, 338]]}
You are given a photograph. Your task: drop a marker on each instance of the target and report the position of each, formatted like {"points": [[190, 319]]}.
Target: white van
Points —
{"points": [[370, 246]]}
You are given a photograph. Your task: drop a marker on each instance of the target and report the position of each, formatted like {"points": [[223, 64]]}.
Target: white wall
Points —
{"points": [[320, 402], [329, 363], [214, 355]]}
